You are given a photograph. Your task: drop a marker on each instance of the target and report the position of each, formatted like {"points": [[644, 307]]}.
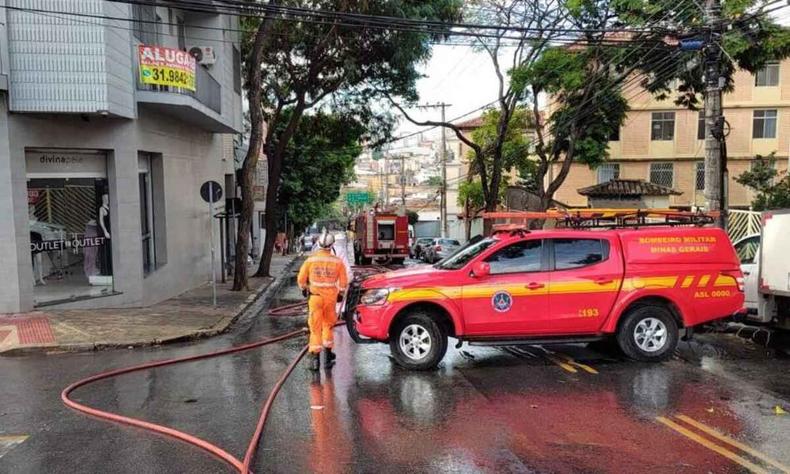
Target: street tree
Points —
{"points": [[515, 158], [295, 65], [529, 27], [317, 163], [771, 188]]}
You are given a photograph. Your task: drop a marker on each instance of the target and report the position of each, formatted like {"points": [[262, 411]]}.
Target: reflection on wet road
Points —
{"points": [[564, 408]]}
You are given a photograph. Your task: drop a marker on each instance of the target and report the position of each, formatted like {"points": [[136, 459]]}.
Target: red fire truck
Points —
{"points": [[381, 236]]}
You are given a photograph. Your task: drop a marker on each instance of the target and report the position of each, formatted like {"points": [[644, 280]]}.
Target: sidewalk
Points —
{"points": [[187, 316]]}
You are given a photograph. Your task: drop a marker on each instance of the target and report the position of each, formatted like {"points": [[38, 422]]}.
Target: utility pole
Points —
{"points": [[443, 160], [715, 175], [403, 181], [443, 212], [385, 176]]}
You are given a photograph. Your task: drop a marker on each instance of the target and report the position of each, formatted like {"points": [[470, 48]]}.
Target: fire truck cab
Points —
{"points": [[640, 287]]}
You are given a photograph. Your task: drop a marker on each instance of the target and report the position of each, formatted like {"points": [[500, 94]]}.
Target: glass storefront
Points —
{"points": [[70, 225]]}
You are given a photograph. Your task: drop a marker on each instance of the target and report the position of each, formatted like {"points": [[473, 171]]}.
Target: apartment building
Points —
{"points": [[108, 128], [663, 144]]}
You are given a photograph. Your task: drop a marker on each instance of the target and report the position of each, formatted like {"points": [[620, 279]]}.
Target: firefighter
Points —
{"points": [[323, 280]]}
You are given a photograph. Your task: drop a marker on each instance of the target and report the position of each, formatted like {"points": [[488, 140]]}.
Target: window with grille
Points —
{"points": [[608, 172], [663, 126], [764, 124], [701, 125], [662, 174], [699, 182], [767, 76]]}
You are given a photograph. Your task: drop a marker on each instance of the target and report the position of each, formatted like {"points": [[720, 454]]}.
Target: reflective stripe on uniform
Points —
{"points": [[319, 284], [325, 259]]}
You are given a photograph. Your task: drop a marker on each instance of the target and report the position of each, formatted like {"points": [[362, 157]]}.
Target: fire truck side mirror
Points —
{"points": [[481, 269]]}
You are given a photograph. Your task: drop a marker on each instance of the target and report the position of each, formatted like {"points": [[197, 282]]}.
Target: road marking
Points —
{"points": [[574, 362], [562, 364], [7, 442], [722, 437], [712, 446]]}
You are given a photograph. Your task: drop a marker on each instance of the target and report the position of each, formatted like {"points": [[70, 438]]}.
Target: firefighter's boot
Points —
{"points": [[313, 361], [330, 358]]}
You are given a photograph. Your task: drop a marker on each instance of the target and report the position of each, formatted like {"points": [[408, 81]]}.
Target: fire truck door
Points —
{"points": [[585, 282], [513, 299]]}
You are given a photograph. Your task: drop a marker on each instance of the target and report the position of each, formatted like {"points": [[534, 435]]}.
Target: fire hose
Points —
{"points": [[242, 466]]}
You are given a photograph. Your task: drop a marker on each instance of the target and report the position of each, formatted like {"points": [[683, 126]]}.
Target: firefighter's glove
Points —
{"points": [[340, 297], [305, 292]]}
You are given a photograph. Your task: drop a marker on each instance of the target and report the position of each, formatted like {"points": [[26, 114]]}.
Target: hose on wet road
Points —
{"points": [[242, 466]]}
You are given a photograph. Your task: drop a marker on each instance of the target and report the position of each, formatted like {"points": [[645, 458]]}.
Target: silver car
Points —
{"points": [[439, 249]]}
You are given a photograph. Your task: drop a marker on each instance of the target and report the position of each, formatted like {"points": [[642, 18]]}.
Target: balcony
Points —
{"points": [[202, 107]]}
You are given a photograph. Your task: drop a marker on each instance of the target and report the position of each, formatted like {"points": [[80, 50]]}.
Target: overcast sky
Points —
{"points": [[457, 75]]}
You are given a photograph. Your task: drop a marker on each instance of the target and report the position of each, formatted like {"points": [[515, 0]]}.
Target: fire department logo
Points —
{"points": [[502, 301]]}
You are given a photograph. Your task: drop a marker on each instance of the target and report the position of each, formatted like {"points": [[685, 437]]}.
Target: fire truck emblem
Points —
{"points": [[502, 301]]}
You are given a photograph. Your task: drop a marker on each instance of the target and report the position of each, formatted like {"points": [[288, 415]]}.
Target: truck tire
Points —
{"points": [[418, 342], [648, 333], [397, 261]]}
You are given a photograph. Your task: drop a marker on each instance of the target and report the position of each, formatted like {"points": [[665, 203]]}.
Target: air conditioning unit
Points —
{"points": [[204, 55]]}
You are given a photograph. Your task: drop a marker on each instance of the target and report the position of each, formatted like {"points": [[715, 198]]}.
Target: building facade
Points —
{"points": [[664, 144], [108, 128]]}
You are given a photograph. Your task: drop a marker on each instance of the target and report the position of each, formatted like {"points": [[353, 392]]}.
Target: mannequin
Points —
{"points": [[105, 253]]}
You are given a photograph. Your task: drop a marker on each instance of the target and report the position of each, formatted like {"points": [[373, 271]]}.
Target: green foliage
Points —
{"points": [[473, 190], [435, 181], [413, 216], [771, 193], [749, 43], [514, 154], [319, 162]]}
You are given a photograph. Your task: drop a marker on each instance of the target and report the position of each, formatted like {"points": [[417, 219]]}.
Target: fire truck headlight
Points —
{"points": [[376, 296]]}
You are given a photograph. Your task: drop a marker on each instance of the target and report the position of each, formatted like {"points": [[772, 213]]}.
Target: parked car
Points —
{"points": [[419, 246], [439, 249], [643, 288]]}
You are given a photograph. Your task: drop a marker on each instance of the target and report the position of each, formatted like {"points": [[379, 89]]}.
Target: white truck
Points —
{"points": [[765, 263]]}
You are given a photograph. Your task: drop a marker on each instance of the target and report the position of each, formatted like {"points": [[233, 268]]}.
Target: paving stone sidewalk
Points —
{"points": [[189, 315]]}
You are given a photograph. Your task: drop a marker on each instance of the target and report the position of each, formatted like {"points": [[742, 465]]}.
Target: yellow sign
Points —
{"points": [[166, 67]]}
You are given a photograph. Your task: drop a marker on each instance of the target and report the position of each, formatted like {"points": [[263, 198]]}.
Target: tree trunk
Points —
{"points": [[271, 217], [275, 163], [254, 94]]}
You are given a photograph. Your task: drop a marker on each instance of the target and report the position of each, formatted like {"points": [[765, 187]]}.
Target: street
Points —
{"points": [[715, 407]]}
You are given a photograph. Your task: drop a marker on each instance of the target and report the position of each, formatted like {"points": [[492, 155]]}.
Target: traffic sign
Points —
{"points": [[211, 191], [358, 197]]}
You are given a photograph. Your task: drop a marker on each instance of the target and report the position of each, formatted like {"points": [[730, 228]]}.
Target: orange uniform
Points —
{"points": [[325, 276]]}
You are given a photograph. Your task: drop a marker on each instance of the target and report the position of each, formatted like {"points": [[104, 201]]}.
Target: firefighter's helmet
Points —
{"points": [[326, 240]]}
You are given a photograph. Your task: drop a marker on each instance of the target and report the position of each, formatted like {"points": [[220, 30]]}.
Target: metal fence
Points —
{"points": [[743, 223]]}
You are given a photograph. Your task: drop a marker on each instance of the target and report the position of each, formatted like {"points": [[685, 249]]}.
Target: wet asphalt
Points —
{"points": [[569, 408]]}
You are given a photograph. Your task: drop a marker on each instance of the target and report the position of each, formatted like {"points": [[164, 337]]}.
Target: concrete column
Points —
{"points": [[125, 220], [16, 290]]}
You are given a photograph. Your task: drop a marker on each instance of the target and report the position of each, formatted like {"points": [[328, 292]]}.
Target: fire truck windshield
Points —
{"points": [[463, 256]]}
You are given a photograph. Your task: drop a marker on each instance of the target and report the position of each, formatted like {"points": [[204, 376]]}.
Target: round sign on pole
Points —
{"points": [[211, 191]]}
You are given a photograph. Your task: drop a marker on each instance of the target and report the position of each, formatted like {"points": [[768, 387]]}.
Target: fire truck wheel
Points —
{"points": [[418, 342], [648, 333]]}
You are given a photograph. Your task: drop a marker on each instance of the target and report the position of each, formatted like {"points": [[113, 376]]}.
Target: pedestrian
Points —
{"points": [[301, 242], [323, 280]]}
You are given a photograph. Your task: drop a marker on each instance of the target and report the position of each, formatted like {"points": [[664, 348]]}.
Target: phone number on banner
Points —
{"points": [[166, 76]]}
